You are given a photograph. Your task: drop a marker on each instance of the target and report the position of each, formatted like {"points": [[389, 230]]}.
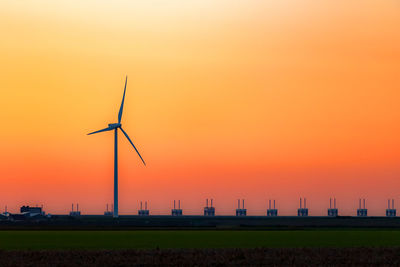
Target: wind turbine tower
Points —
{"points": [[115, 127]]}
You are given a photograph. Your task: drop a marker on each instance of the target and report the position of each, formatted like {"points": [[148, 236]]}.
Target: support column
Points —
{"points": [[116, 173]]}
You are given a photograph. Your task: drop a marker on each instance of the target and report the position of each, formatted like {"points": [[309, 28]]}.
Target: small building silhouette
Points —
{"points": [[209, 211], [32, 211], [109, 212], [362, 212], [145, 211], [75, 212], [241, 211], [178, 211], [302, 211], [332, 211], [272, 211], [391, 211]]}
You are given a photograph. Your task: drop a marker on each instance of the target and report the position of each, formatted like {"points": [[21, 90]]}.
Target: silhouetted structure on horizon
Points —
{"points": [[241, 211], [390, 211], [178, 211], [302, 211], [107, 212], [273, 212], [362, 212], [332, 211], [209, 211], [28, 211], [75, 212], [145, 211]]}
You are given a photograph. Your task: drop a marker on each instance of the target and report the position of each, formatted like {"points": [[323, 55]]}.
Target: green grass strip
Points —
{"points": [[17, 240]]}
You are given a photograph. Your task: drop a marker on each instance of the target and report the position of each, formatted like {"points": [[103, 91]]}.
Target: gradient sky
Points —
{"points": [[225, 100]]}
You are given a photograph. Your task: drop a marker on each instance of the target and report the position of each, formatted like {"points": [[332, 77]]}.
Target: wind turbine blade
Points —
{"points": [[133, 145], [122, 103], [102, 130]]}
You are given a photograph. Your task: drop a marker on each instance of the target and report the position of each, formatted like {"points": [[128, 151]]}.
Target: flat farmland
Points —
{"points": [[195, 239], [204, 257]]}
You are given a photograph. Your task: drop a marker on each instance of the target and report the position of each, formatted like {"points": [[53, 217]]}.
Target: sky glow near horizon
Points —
{"points": [[225, 100]]}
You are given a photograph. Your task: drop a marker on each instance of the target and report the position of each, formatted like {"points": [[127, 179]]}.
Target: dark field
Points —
{"points": [[131, 222], [355, 247], [165, 239], [207, 257]]}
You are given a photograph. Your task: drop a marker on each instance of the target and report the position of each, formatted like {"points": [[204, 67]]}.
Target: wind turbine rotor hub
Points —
{"points": [[114, 125]]}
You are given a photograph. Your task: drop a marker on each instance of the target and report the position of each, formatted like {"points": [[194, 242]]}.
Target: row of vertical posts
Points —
{"points": [[362, 211]]}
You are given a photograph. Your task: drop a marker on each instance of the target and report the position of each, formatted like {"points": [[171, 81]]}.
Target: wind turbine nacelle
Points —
{"points": [[114, 125]]}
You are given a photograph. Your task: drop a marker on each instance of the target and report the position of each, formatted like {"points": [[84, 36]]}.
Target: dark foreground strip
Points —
{"points": [[207, 257]]}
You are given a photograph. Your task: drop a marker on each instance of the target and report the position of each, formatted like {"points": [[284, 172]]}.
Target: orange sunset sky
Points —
{"points": [[225, 100]]}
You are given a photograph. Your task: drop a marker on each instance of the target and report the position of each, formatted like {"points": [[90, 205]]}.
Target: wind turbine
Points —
{"points": [[115, 127]]}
